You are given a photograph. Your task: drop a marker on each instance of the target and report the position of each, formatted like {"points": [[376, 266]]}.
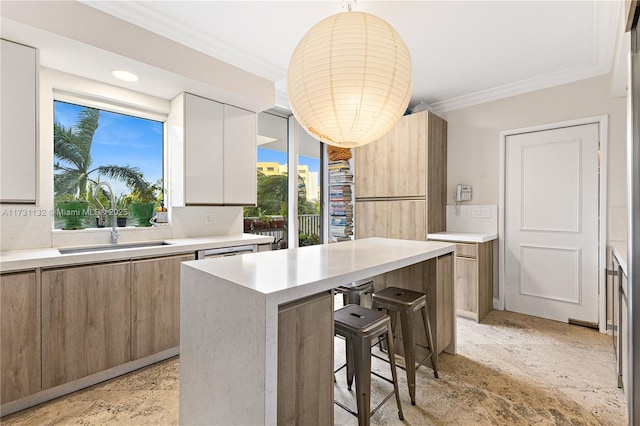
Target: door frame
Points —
{"points": [[603, 125]]}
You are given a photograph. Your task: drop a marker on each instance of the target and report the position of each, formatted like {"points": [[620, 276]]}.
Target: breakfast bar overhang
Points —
{"points": [[231, 309]]}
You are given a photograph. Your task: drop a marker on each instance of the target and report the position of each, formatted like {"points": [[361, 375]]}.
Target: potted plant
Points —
{"points": [[122, 210], [142, 201], [72, 211], [263, 221]]}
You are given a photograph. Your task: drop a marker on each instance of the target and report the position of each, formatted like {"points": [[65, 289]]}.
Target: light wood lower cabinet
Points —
{"points": [[474, 279], [305, 361], [155, 304], [86, 312], [19, 336]]}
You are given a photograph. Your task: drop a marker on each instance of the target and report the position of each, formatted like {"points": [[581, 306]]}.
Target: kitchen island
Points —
{"points": [[256, 331]]}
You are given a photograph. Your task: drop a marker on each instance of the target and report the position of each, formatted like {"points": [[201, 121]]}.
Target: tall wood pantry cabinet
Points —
{"points": [[400, 180]]}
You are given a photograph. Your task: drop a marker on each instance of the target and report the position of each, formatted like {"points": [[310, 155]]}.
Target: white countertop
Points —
{"points": [[15, 260], [283, 273], [620, 252], [462, 237]]}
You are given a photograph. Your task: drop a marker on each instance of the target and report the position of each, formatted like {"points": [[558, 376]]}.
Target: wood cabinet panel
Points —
{"points": [[19, 336], [485, 279], [86, 314], [443, 303], [305, 361], [18, 137], [155, 308], [436, 174]]}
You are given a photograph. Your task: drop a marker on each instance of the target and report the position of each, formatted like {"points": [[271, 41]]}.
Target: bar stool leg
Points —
{"points": [[432, 347], [362, 352], [394, 375], [350, 367], [409, 344]]}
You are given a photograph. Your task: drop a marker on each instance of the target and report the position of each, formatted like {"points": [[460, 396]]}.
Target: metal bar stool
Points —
{"points": [[352, 292], [360, 327], [405, 302]]}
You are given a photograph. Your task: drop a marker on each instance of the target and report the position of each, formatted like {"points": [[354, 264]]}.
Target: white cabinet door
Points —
{"points": [[240, 135], [18, 124], [203, 168]]}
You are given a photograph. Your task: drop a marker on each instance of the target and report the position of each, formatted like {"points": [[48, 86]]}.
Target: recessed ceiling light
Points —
{"points": [[124, 75]]}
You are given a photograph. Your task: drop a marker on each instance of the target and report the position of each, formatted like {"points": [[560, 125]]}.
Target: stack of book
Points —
{"points": [[340, 201]]}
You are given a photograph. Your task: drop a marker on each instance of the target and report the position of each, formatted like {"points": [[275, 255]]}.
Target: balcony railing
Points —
{"points": [[308, 225]]}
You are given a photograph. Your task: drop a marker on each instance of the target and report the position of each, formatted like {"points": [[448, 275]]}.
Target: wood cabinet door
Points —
{"points": [[406, 157], [19, 336], [467, 287], [407, 220], [86, 312], [371, 171], [203, 151], [240, 136], [371, 219], [305, 361], [18, 116], [155, 309]]}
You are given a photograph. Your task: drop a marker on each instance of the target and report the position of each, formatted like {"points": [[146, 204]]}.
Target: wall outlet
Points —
{"points": [[481, 212], [210, 218]]}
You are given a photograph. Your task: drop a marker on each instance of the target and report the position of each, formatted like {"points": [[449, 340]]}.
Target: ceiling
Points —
{"points": [[463, 52]]}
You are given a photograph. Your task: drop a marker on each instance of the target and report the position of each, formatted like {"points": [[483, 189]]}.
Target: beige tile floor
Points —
{"points": [[511, 370]]}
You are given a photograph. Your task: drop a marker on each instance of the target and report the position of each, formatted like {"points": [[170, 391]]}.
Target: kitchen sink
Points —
{"points": [[88, 249]]}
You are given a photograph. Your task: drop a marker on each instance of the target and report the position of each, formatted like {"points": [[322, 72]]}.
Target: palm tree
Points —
{"points": [[72, 150]]}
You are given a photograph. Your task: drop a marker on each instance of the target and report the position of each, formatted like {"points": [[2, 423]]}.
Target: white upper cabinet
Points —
{"points": [[18, 138], [204, 147], [212, 153], [240, 136]]}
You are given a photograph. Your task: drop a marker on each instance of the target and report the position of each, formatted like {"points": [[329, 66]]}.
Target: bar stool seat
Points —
{"points": [[361, 327], [353, 292], [405, 302]]}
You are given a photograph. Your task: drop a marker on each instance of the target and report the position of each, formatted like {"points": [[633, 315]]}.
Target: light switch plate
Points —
{"points": [[210, 218], [481, 212]]}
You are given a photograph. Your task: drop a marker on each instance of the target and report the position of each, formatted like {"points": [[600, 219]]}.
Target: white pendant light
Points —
{"points": [[349, 79]]}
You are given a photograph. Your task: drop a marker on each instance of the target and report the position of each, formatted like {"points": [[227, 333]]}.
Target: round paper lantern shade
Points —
{"points": [[349, 79]]}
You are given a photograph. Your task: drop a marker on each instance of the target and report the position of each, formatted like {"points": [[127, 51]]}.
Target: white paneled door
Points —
{"points": [[551, 223]]}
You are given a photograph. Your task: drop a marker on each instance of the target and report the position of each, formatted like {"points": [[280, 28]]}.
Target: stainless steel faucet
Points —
{"points": [[114, 232]]}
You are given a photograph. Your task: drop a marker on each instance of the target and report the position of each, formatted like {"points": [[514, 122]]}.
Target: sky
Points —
{"points": [[121, 140]]}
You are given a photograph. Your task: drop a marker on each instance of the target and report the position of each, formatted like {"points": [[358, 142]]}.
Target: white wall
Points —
{"points": [[20, 228], [473, 137]]}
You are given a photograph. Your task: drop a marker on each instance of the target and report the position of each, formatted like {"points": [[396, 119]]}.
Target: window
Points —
{"points": [[269, 217], [94, 145], [309, 190]]}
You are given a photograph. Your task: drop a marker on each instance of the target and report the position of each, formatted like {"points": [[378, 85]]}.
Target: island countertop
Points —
{"points": [[295, 273], [229, 319]]}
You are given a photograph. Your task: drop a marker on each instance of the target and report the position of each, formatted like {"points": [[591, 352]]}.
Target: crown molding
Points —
{"points": [[606, 21], [145, 16]]}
